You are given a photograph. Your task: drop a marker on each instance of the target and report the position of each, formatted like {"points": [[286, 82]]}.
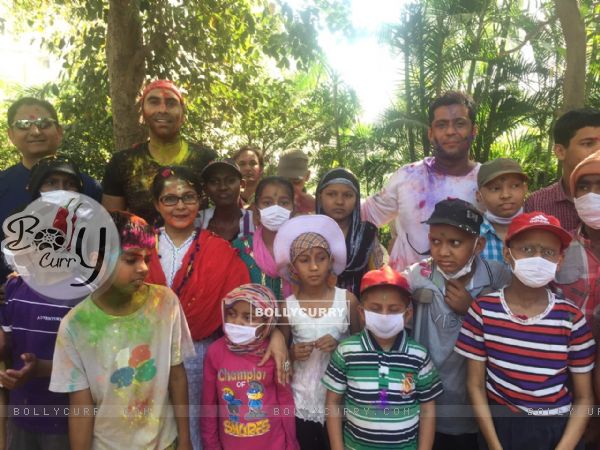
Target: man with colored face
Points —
{"points": [[576, 136], [130, 172], [35, 131], [411, 193]]}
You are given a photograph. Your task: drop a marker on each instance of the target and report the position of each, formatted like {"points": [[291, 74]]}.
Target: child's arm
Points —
{"points": [[426, 425], [178, 391], [333, 403], [209, 416], [477, 393], [583, 399], [81, 427], [353, 310]]}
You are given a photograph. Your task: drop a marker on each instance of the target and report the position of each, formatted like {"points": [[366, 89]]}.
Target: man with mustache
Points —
{"points": [[412, 192], [35, 131], [130, 172]]}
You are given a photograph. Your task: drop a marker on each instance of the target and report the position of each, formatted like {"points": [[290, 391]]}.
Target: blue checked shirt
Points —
{"points": [[493, 243]]}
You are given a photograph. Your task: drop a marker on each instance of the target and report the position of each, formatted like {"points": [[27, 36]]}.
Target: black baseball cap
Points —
{"points": [[458, 213], [48, 165]]}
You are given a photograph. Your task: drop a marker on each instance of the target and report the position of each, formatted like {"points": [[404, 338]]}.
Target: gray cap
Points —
{"points": [[293, 164]]}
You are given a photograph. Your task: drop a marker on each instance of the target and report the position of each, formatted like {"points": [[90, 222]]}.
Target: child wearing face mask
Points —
{"points": [[383, 378], [530, 352], [443, 287], [27, 336], [244, 407], [578, 277], [309, 251], [274, 202], [501, 190]]}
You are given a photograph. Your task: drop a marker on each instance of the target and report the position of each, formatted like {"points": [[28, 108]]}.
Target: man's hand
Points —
{"points": [[301, 351], [326, 343], [457, 297], [11, 378]]}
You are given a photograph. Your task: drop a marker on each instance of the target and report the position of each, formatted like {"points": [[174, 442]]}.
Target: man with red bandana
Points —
{"points": [[129, 173]]}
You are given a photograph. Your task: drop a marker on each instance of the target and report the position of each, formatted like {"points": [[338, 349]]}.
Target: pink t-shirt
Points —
{"points": [[243, 405]]}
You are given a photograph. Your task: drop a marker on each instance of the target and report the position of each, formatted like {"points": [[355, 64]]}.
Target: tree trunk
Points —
{"points": [[573, 29], [126, 71]]}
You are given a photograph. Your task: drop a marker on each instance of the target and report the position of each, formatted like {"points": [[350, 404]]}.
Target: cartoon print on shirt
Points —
{"points": [[233, 404], [255, 394]]}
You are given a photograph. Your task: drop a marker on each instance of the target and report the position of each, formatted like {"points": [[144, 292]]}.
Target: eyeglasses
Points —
{"points": [[172, 200], [530, 251], [41, 123]]}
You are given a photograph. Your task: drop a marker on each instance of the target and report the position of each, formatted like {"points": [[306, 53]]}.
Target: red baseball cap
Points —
{"points": [[537, 220], [386, 276]]}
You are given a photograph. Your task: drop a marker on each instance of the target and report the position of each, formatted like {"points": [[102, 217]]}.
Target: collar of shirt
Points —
{"points": [[370, 344], [558, 192], [488, 228]]}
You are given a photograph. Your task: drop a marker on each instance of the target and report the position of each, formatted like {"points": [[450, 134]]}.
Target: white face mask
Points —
{"points": [[534, 272], [240, 334], [462, 272], [274, 216], [384, 326], [493, 218], [588, 209]]}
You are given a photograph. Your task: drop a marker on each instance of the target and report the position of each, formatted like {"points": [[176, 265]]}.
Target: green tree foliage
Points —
{"points": [[511, 59]]}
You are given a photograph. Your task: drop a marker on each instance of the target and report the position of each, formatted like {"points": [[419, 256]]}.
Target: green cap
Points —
{"points": [[496, 167], [293, 164]]}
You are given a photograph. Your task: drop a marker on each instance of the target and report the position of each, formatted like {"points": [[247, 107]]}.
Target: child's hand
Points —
{"points": [[326, 343], [301, 351], [11, 378], [457, 297]]}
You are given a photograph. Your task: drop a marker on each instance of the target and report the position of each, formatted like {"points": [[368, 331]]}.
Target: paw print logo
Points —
{"points": [[139, 366]]}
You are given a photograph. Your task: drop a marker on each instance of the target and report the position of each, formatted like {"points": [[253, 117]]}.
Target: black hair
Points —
{"points": [[165, 173], [570, 122], [253, 149], [30, 101], [453, 98], [284, 182]]}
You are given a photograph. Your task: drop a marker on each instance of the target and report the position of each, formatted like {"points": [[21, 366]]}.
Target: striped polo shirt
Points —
{"points": [[382, 390], [528, 359]]}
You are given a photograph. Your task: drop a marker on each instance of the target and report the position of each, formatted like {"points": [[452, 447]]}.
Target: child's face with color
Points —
{"points": [[587, 184], [451, 248], [338, 201], [131, 269], [243, 313], [504, 195], [385, 300], [223, 185], [532, 243], [182, 214], [313, 266]]}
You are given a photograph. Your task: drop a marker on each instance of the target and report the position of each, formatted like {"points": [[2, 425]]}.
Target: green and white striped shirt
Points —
{"points": [[382, 390]]}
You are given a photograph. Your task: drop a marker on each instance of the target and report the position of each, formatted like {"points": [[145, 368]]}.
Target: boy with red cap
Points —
{"points": [[530, 352], [384, 379], [130, 172]]}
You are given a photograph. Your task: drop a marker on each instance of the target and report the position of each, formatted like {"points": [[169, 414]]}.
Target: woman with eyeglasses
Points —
{"points": [[200, 267]]}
